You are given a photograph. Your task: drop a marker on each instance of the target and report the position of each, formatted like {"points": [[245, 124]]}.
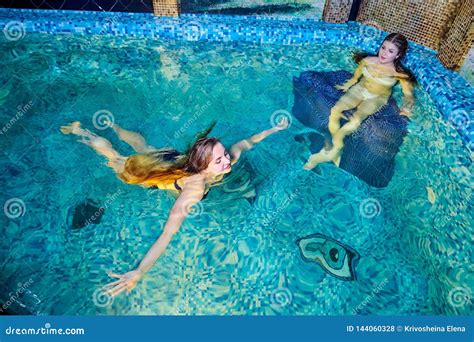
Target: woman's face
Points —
{"points": [[220, 162], [388, 52]]}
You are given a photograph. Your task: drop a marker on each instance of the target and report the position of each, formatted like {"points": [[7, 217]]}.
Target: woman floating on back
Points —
{"points": [[377, 74], [190, 174]]}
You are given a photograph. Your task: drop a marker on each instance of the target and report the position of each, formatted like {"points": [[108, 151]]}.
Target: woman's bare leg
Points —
{"points": [[334, 153], [366, 108], [338, 139], [134, 139], [348, 101], [101, 145]]}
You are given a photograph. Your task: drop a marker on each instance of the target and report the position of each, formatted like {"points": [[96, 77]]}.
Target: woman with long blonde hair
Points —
{"points": [[190, 175]]}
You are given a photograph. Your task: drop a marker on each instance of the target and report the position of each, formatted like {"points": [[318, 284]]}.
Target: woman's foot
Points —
{"points": [[101, 145], [72, 128], [87, 137], [322, 157], [314, 160]]}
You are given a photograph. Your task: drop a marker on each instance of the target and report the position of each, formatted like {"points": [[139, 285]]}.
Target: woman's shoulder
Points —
{"points": [[370, 59], [403, 75], [387, 70], [196, 181]]}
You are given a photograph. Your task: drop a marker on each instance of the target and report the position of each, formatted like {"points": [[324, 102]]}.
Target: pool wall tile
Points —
{"points": [[452, 95]]}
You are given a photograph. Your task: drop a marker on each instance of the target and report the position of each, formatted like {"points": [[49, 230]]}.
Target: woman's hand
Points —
{"points": [[283, 124], [405, 112], [126, 281], [344, 87], [247, 144]]}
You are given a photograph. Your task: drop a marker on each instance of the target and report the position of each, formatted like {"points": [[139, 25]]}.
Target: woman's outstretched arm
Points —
{"points": [[181, 208], [246, 144], [408, 100]]}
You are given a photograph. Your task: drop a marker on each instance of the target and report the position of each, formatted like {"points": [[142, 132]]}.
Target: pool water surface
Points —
{"points": [[237, 253]]}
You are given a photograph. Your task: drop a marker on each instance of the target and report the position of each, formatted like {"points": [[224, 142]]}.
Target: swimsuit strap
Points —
{"points": [[181, 189], [177, 186]]}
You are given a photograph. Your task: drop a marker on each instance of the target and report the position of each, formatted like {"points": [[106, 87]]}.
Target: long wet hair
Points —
{"points": [[159, 169], [400, 41]]}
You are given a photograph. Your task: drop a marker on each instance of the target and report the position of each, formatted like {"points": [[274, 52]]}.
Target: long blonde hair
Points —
{"points": [[165, 166]]}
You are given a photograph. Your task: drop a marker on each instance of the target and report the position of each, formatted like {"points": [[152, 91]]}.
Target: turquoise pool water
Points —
{"points": [[237, 253]]}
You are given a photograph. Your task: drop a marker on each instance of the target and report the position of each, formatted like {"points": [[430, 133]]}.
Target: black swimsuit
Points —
{"points": [[180, 189], [177, 187]]}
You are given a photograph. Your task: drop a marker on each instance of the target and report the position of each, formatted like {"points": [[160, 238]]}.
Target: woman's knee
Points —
{"points": [[335, 113], [350, 127], [101, 142], [354, 122]]}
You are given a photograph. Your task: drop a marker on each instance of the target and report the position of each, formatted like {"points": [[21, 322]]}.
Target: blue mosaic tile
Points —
{"points": [[448, 90]]}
